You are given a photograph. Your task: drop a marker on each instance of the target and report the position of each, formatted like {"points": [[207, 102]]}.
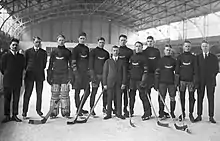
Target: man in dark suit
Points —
{"points": [[208, 69], [12, 67], [36, 59], [114, 80]]}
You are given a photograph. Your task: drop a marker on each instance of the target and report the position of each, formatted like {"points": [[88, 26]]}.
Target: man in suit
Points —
{"points": [[36, 59], [12, 67], [114, 80], [207, 70]]}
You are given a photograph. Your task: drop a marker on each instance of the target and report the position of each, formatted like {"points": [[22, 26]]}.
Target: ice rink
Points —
{"points": [[97, 129]]}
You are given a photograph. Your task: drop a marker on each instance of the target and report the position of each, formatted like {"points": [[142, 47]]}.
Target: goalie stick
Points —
{"points": [[158, 122], [44, 120], [182, 128]]}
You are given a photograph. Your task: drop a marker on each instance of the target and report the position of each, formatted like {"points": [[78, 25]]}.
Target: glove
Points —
{"points": [[156, 82], [177, 80], [49, 76], [70, 76]]}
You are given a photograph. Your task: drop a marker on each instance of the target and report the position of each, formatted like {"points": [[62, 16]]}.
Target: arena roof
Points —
{"points": [[134, 14]]}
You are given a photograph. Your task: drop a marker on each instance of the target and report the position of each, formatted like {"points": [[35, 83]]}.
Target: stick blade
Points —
{"points": [[162, 124], [81, 121], [182, 128], [132, 124], [36, 122], [70, 122]]}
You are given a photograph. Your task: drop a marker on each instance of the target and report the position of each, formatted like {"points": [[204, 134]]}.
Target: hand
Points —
{"points": [[49, 80], [156, 87], [143, 85], [123, 86], [105, 87]]}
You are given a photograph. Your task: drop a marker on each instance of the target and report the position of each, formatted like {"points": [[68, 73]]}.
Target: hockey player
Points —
{"points": [[152, 55], [59, 76], [97, 58], [124, 54], [138, 77], [186, 76], [164, 80], [80, 65]]}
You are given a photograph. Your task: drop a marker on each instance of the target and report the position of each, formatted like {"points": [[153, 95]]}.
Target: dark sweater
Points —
{"points": [[137, 66], [165, 70], [152, 55], [97, 58], [186, 66], [80, 55], [125, 54]]}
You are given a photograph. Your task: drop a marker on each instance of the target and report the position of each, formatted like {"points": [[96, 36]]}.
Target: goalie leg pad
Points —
{"points": [[55, 90], [65, 100]]}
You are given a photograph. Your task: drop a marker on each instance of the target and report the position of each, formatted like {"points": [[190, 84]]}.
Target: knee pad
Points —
{"points": [[65, 100], [55, 90]]}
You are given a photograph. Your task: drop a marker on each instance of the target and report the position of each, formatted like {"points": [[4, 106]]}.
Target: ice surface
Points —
{"points": [[97, 129]]}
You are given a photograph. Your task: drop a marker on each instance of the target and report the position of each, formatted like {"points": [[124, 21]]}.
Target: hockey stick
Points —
{"points": [[158, 122], [80, 107], [131, 123], [44, 120], [85, 120], [183, 128], [186, 129]]}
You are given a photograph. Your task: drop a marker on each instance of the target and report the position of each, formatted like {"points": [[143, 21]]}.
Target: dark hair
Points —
{"points": [[168, 45], [61, 35], [205, 41], [187, 41], [122, 35], [14, 40], [150, 37], [138, 42], [36, 37], [82, 34], [115, 47], [101, 38]]}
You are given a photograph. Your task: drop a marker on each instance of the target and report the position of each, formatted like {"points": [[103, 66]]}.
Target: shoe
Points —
{"points": [[172, 115], [52, 116], [191, 118], [15, 118], [107, 117], [93, 113], [120, 116], [126, 113], [166, 114], [104, 110], [182, 117], [199, 118], [114, 111], [84, 111], [6, 119], [24, 115], [212, 120], [146, 116], [40, 113]]}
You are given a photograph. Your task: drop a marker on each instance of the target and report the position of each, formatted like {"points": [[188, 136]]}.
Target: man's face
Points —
{"points": [[122, 41], [167, 51], [150, 43], [115, 51], [205, 47], [82, 39], [186, 47], [61, 41], [138, 48], [14, 46], [101, 43], [37, 42]]}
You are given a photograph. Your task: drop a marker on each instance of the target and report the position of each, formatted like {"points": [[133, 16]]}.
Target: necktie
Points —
{"points": [[206, 55]]}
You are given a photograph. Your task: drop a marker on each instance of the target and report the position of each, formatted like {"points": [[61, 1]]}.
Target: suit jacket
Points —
{"points": [[114, 73], [207, 69], [35, 64], [12, 68]]}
